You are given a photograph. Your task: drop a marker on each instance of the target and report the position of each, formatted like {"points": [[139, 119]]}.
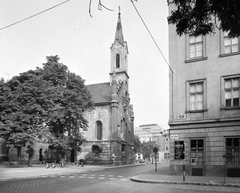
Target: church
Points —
{"points": [[110, 135]]}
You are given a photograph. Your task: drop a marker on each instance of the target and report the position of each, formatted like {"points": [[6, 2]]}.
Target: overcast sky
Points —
{"points": [[83, 44]]}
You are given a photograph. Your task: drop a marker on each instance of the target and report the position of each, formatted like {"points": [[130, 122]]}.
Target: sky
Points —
{"points": [[83, 44]]}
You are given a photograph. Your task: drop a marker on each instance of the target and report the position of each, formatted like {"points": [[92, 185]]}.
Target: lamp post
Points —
{"points": [[155, 150]]}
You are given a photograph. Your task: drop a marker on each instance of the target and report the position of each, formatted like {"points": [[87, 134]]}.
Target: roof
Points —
{"points": [[101, 92]]}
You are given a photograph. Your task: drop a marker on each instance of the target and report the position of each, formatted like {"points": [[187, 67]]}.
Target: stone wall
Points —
{"points": [[214, 148]]}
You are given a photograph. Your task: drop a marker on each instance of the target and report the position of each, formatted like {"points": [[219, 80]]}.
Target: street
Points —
{"points": [[115, 180]]}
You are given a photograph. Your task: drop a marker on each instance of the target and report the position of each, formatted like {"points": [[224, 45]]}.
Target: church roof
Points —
{"points": [[101, 92]]}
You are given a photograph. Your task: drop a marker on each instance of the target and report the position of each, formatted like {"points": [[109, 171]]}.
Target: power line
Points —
{"points": [[34, 15], [152, 36]]}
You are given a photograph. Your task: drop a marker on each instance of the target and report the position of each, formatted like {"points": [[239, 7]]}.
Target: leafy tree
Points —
{"points": [[71, 99], [137, 144], [204, 16], [47, 103], [21, 116], [147, 148]]}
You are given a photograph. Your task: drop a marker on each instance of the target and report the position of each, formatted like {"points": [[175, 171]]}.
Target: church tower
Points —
{"points": [[119, 56], [122, 117]]}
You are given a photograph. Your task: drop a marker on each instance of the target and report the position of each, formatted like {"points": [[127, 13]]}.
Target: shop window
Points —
{"points": [[233, 150], [197, 151]]}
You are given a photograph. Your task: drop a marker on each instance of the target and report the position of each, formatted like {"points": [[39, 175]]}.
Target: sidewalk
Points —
{"points": [[162, 176]]}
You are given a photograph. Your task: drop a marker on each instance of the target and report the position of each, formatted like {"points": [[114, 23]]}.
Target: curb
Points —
{"points": [[122, 166], [134, 179]]}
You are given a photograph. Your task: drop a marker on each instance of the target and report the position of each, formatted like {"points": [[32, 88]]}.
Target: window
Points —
{"points": [[231, 45], [196, 96], [196, 99], [195, 46], [166, 155], [99, 130], [197, 151], [19, 153], [233, 149], [166, 148], [166, 138], [232, 92], [117, 60]]}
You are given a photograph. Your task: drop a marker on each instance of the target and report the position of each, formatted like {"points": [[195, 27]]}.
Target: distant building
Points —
{"points": [[153, 132], [204, 102]]}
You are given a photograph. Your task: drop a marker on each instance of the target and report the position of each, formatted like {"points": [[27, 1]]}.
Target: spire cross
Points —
{"points": [[119, 10]]}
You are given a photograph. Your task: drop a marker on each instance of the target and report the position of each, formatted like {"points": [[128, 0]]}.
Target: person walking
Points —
{"points": [[62, 162]]}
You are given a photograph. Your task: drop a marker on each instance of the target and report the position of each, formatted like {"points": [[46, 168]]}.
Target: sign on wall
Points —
{"points": [[174, 136], [179, 149]]}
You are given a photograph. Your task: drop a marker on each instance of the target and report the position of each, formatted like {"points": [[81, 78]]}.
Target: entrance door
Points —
{"points": [[197, 157], [232, 154], [73, 155]]}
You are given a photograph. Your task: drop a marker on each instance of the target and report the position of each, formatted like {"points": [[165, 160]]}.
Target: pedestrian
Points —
{"points": [[53, 165], [47, 165], [80, 162], [62, 162]]}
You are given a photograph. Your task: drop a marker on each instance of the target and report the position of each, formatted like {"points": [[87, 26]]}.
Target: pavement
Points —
{"points": [[161, 176]]}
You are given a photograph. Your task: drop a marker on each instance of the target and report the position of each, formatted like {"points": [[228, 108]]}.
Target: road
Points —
{"points": [[115, 180]]}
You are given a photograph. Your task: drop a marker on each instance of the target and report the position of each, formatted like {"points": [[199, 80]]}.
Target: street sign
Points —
{"points": [[174, 136]]}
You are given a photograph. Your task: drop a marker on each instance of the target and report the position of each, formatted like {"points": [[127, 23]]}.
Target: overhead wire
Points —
{"points": [[34, 15], [152, 36]]}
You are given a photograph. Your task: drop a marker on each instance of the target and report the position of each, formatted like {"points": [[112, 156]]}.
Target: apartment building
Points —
{"points": [[204, 117]]}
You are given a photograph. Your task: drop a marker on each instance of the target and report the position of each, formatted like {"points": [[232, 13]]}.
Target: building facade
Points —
{"points": [[204, 91], [110, 135], [153, 132]]}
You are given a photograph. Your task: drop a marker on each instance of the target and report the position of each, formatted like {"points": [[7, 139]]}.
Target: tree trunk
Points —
{"points": [[30, 160]]}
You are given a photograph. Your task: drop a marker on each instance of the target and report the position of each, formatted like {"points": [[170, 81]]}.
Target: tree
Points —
{"points": [[47, 103], [204, 16], [147, 148], [71, 99], [21, 113], [137, 144]]}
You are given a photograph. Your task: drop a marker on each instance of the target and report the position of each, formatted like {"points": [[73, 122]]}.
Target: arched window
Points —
{"points": [[40, 154], [117, 61], [99, 130]]}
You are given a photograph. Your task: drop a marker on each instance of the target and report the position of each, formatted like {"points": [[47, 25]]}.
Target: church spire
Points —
{"points": [[119, 31]]}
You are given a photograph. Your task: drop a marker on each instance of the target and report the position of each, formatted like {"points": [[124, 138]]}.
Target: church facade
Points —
{"points": [[110, 135]]}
